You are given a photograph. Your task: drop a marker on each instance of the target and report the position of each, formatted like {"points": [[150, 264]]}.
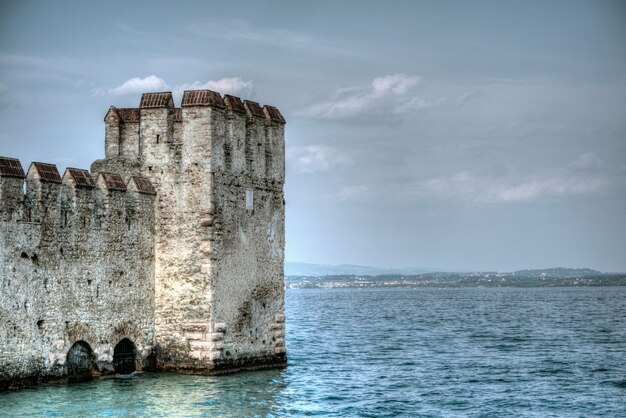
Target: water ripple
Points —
{"points": [[389, 353]]}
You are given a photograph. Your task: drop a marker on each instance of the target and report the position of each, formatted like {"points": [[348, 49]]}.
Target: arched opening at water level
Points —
{"points": [[80, 362], [124, 357]]}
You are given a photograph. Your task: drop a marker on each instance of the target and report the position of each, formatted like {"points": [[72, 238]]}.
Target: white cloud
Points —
{"points": [[418, 104], [472, 188], [396, 84], [240, 30], [227, 85], [475, 189], [533, 189], [587, 160], [152, 83], [385, 96], [315, 158], [135, 85], [350, 193], [465, 97]]}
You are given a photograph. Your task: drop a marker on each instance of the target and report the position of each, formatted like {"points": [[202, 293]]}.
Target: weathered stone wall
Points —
{"points": [[194, 276], [218, 264], [129, 140], [247, 234], [76, 264]]}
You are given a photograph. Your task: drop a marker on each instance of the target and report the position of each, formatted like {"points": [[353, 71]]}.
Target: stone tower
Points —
{"points": [[217, 164], [168, 254]]}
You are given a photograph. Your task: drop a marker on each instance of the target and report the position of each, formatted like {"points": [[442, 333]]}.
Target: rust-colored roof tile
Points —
{"points": [[48, 172], [254, 108], [234, 104], [11, 167], [143, 185], [156, 100], [178, 114], [202, 98], [129, 114], [274, 114], [112, 114], [114, 182], [82, 178]]}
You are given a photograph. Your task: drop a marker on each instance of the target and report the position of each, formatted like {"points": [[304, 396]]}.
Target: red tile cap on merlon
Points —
{"points": [[254, 108], [202, 98], [129, 114], [234, 104], [11, 167], [156, 100], [114, 182], [143, 185], [48, 172], [274, 114], [82, 178]]}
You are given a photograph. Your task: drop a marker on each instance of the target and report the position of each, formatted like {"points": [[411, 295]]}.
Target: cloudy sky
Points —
{"points": [[453, 135]]}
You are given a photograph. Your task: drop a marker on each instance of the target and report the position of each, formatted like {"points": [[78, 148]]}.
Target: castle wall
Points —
{"points": [[193, 275], [112, 135], [181, 287], [129, 140], [76, 264], [247, 239], [219, 275]]}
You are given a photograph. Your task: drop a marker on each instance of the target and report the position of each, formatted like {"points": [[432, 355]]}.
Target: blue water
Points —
{"points": [[375, 353]]}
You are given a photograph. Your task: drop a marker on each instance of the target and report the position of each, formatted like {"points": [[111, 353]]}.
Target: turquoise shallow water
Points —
{"points": [[375, 353]]}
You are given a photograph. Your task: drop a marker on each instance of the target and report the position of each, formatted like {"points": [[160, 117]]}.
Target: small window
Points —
{"points": [[249, 199], [157, 138]]}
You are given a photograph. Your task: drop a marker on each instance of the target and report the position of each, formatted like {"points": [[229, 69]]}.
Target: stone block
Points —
{"points": [[194, 335], [219, 327], [200, 345], [216, 336]]}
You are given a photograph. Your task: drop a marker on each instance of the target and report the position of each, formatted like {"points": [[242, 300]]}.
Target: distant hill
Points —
{"points": [[454, 280], [319, 270], [308, 275], [557, 272]]}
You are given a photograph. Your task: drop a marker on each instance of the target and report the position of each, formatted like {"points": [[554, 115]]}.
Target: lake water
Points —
{"points": [[375, 353]]}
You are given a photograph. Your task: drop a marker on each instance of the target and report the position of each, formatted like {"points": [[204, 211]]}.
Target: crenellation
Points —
{"points": [[177, 127], [174, 242], [276, 139], [129, 140], [235, 144], [11, 188], [43, 185], [255, 139], [63, 280], [155, 136], [202, 98], [112, 133]]}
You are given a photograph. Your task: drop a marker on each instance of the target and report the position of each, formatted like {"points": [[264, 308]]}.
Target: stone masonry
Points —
{"points": [[168, 254]]}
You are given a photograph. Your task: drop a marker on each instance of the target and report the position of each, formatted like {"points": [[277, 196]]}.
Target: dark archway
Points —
{"points": [[124, 357], [80, 362]]}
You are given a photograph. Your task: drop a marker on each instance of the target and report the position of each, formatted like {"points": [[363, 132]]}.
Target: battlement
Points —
{"points": [[42, 193], [194, 98], [173, 243], [245, 137]]}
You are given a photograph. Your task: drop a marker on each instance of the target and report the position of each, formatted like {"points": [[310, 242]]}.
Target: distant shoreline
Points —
{"points": [[451, 280]]}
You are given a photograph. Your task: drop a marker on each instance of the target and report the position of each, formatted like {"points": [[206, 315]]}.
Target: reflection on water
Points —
{"points": [[152, 394], [385, 353]]}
